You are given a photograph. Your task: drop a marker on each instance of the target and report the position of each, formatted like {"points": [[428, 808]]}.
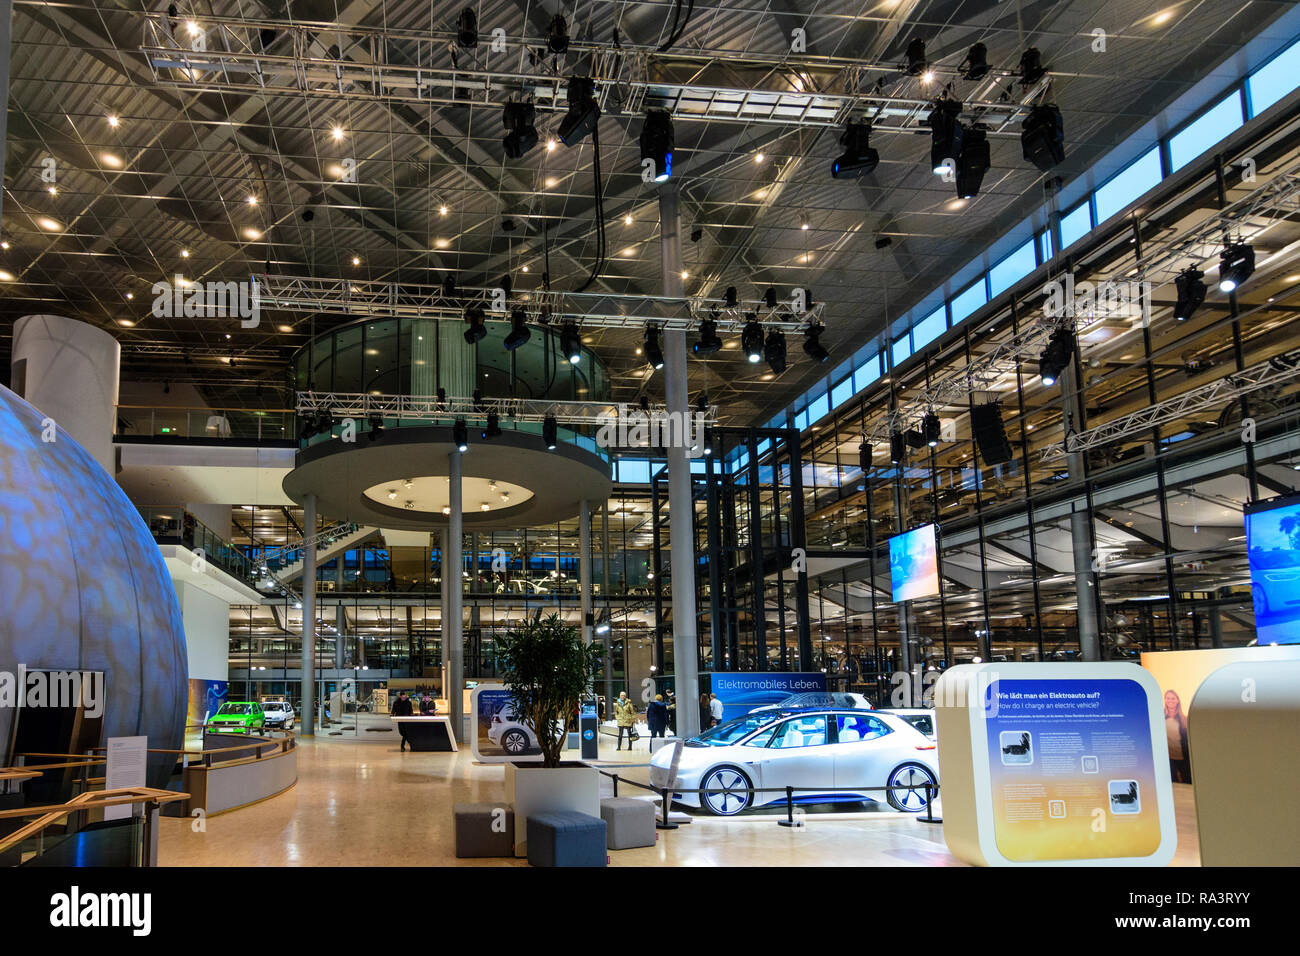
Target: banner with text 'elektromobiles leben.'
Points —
{"points": [[742, 692]]}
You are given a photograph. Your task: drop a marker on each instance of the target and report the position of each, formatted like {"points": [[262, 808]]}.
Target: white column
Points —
{"points": [[584, 566], [308, 663], [70, 371], [680, 510], [453, 641]]}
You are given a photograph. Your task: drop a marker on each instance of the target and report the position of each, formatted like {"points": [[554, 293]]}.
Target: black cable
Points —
{"points": [[672, 32], [599, 209]]}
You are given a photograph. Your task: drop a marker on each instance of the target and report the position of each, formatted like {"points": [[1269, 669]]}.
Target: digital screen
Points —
{"points": [[1273, 545], [914, 564]]}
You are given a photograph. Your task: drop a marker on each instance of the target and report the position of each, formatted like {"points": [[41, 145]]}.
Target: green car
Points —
{"points": [[237, 717]]}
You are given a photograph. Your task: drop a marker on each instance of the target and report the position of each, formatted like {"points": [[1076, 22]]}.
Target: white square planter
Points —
{"points": [[532, 788]]}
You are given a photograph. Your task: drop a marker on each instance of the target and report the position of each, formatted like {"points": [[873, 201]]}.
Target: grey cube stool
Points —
{"points": [[629, 822], [484, 829], [566, 838]]}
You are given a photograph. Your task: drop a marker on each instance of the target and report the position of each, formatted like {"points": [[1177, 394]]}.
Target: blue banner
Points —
{"points": [[742, 692]]}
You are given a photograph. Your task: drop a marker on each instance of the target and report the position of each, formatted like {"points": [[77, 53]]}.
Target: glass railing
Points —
{"points": [[172, 524], [163, 423]]}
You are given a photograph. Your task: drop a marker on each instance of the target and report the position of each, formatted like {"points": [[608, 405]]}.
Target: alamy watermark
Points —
{"points": [[59, 689], [208, 300], [632, 428], [1067, 299]]}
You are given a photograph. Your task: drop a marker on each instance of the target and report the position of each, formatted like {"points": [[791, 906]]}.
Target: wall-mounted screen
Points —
{"points": [[914, 564], [1273, 544]]}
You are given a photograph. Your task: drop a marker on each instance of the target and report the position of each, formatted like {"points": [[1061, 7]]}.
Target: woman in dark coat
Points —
{"points": [[706, 714], [656, 716]]}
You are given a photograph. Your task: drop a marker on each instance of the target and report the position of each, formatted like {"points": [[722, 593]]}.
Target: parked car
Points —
{"points": [[278, 714], [817, 698], [804, 748], [922, 720], [237, 717], [514, 736]]}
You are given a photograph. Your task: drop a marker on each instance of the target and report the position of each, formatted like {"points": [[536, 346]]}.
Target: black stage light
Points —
{"points": [[915, 438], [702, 402], [774, 351], [309, 428], [884, 242], [931, 428], [571, 342], [973, 162], [858, 158], [518, 333], [990, 434], [732, 299], [945, 133], [521, 131], [557, 35], [442, 396], [812, 345], [1236, 265], [864, 457], [477, 331], [477, 399], [583, 112], [325, 422], [1042, 137], [376, 425], [460, 435], [1191, 292], [449, 287], [267, 36], [897, 447], [550, 432], [708, 441], [751, 339], [650, 348], [493, 429], [697, 233], [467, 28], [708, 342], [1031, 67], [976, 64], [916, 64], [657, 143], [1056, 357], [769, 298], [644, 402]]}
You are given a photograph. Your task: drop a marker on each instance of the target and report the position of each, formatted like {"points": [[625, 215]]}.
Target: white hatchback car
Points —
{"points": [[809, 749]]}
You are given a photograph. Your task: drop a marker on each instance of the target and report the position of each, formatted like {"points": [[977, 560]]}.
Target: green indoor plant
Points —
{"points": [[547, 669]]}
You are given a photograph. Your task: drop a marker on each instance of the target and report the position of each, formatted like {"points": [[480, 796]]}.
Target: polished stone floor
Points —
{"points": [[364, 803]]}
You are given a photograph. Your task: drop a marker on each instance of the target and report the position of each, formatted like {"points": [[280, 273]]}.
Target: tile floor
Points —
{"points": [[364, 803]]}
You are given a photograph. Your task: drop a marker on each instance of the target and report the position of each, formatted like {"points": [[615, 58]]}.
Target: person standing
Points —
{"points": [[671, 705], [1180, 764], [715, 709], [402, 708], [706, 713], [656, 716], [625, 717], [428, 706]]}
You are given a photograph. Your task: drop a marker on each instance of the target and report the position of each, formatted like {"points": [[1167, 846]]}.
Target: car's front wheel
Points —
{"points": [[912, 778], [514, 741], [726, 792]]}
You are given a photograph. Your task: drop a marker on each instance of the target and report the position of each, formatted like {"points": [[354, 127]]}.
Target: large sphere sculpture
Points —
{"points": [[83, 586]]}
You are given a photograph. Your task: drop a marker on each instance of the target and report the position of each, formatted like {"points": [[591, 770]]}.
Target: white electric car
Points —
{"points": [[511, 735], [808, 749], [816, 698]]}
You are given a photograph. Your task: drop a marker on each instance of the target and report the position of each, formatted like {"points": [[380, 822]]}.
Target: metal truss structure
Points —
{"points": [[1200, 245], [361, 405], [228, 55], [1209, 397], [587, 309]]}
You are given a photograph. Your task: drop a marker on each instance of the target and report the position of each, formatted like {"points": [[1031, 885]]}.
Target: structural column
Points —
{"points": [[686, 652], [453, 641], [1081, 531], [308, 714], [584, 568]]}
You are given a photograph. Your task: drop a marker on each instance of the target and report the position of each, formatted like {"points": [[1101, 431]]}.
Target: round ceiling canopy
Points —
{"points": [[431, 494]]}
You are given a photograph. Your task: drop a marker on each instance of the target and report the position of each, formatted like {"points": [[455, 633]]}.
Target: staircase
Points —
{"points": [[329, 543]]}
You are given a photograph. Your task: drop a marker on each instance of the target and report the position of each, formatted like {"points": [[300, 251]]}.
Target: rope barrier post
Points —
{"points": [[663, 823], [930, 794], [615, 776], [789, 808]]}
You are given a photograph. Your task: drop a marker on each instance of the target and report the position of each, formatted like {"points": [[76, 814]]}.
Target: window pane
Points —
{"points": [[634, 471], [819, 409], [901, 350], [866, 373], [842, 392], [1012, 269], [968, 301], [1274, 79], [801, 732], [1044, 245], [801, 420], [1199, 135], [1135, 179], [930, 328], [1075, 225]]}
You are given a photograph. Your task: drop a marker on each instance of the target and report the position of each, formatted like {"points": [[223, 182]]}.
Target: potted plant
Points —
{"points": [[547, 669]]}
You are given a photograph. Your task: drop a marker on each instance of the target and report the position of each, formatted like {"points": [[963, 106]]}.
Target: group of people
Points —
{"points": [[405, 706], [661, 715]]}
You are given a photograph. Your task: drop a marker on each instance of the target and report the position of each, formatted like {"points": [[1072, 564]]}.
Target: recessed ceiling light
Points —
{"points": [[127, 323], [335, 170], [525, 268], [446, 509], [1292, 278], [685, 274], [441, 243], [484, 506], [759, 157], [629, 252], [192, 27], [442, 210], [113, 121], [627, 220], [253, 234], [108, 159], [251, 200], [356, 260], [337, 132], [130, 296], [1164, 16], [6, 275], [4, 245], [48, 224], [550, 145], [550, 182], [53, 190], [185, 253], [286, 328]]}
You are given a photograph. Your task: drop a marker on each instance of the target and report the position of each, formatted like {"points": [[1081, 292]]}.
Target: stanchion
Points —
{"points": [[929, 807], [615, 776], [663, 824], [789, 808]]}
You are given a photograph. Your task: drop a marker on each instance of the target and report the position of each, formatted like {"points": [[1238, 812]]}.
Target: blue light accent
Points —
{"points": [[668, 168]]}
